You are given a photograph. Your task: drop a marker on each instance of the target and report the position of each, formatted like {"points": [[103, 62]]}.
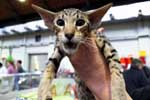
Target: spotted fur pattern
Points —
{"points": [[72, 27], [112, 59]]}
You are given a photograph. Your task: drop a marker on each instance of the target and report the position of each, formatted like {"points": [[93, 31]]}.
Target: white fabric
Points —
{"points": [[3, 70]]}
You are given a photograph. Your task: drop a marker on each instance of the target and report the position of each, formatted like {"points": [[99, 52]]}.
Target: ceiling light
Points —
{"points": [[22, 1]]}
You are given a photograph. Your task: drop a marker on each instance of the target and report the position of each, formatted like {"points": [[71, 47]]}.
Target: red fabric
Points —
{"points": [[143, 59]]}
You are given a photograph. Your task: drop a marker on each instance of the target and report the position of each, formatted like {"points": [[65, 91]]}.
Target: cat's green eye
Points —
{"points": [[80, 22], [60, 22]]}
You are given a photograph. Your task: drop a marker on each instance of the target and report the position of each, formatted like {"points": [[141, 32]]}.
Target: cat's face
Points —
{"points": [[71, 26]]}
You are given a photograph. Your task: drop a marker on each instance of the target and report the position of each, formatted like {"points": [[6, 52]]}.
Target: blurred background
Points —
{"points": [[25, 38]]}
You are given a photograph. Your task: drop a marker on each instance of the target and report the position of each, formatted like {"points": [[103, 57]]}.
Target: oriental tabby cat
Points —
{"points": [[90, 54]]}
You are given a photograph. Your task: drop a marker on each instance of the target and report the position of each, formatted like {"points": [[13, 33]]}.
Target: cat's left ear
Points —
{"points": [[96, 15], [46, 15]]}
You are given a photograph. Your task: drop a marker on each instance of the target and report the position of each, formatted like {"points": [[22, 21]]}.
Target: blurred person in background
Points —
{"points": [[146, 70], [11, 67], [3, 69], [137, 84], [19, 67]]}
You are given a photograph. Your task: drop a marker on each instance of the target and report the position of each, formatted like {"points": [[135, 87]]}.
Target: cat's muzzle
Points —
{"points": [[70, 45]]}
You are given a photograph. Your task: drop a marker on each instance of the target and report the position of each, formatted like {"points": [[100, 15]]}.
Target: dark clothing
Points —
{"points": [[137, 84], [147, 72], [20, 70], [17, 78]]}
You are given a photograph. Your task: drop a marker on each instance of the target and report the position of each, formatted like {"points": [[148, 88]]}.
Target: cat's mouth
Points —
{"points": [[70, 45]]}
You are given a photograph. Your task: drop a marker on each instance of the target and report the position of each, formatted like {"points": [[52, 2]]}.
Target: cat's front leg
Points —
{"points": [[118, 90], [48, 75]]}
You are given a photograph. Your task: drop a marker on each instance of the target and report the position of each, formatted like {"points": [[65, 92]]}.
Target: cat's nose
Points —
{"points": [[69, 36]]}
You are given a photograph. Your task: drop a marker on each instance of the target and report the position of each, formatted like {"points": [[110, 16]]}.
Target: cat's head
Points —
{"points": [[72, 26]]}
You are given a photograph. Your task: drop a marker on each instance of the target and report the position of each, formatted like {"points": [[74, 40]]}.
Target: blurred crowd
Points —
{"points": [[9, 66]]}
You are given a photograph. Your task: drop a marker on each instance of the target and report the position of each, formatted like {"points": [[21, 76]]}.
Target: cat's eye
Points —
{"points": [[80, 22], [60, 22]]}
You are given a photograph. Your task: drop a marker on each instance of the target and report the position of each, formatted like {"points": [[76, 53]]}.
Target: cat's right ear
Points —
{"points": [[46, 15]]}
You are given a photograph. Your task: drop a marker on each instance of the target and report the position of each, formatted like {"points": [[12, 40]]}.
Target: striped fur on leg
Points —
{"points": [[49, 75], [118, 89]]}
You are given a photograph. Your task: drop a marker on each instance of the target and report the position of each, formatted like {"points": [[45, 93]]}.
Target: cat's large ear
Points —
{"points": [[46, 15], [96, 15]]}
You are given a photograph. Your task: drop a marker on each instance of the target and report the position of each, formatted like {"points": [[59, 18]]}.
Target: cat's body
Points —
{"points": [[95, 60]]}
